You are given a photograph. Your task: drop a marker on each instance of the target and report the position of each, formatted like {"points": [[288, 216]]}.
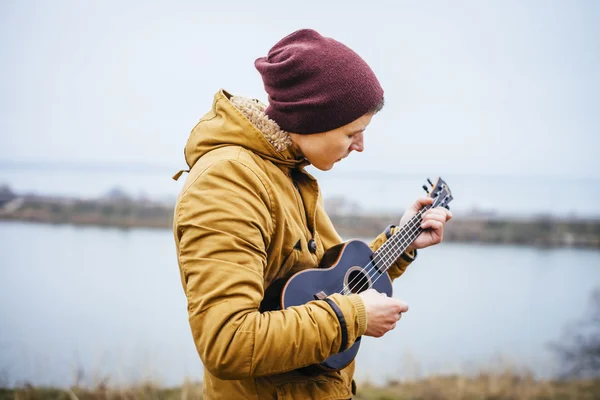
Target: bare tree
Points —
{"points": [[579, 350]]}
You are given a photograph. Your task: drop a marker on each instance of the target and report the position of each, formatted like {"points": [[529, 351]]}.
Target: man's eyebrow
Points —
{"points": [[359, 130]]}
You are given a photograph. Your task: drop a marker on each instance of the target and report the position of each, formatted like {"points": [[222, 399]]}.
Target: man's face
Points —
{"points": [[324, 149]]}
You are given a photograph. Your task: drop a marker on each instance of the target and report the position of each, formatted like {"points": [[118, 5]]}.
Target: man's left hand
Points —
{"points": [[433, 222]]}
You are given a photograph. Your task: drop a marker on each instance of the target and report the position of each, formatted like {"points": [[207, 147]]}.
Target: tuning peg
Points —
{"points": [[425, 189], [447, 207], [429, 180]]}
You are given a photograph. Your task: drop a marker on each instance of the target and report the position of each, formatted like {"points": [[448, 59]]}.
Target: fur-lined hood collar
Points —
{"points": [[239, 121]]}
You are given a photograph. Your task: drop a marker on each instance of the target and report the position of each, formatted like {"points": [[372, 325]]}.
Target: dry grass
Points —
{"points": [[149, 391], [506, 385]]}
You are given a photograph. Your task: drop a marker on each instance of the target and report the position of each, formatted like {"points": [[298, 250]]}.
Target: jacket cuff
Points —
{"points": [[361, 314], [342, 320], [355, 315], [389, 231], [409, 256]]}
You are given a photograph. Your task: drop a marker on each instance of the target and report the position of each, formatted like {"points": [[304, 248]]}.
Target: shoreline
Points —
{"points": [[537, 231], [119, 210]]}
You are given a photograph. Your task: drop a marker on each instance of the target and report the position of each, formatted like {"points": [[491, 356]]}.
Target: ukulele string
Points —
{"points": [[390, 252], [386, 248], [370, 266], [383, 258], [402, 238], [394, 257]]}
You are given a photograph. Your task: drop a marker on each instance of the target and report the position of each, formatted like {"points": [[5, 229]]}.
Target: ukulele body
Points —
{"points": [[345, 268]]}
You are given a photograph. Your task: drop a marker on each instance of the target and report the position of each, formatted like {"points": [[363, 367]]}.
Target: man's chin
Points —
{"points": [[324, 167]]}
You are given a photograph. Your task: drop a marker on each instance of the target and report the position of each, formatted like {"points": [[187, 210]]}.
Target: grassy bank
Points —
{"points": [[484, 386]]}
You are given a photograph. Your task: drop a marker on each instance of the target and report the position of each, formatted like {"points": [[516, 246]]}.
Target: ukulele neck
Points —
{"points": [[397, 244]]}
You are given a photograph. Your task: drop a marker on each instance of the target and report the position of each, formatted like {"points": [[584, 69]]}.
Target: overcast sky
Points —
{"points": [[486, 87]]}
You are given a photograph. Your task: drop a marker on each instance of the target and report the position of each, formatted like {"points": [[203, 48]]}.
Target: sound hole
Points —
{"points": [[357, 281]]}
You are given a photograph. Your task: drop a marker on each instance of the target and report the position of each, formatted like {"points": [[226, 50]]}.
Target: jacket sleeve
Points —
{"points": [[405, 259], [223, 225]]}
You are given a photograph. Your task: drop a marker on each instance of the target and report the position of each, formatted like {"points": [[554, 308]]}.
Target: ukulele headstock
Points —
{"points": [[440, 192]]}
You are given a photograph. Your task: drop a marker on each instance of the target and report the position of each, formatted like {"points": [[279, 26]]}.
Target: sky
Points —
{"points": [[471, 87]]}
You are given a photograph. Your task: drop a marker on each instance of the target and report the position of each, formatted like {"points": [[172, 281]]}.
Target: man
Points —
{"points": [[249, 213]]}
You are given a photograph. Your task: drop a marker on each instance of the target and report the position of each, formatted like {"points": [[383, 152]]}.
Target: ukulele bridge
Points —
{"points": [[320, 296]]}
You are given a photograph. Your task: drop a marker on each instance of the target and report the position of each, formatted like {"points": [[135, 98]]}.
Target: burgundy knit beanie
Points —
{"points": [[316, 84]]}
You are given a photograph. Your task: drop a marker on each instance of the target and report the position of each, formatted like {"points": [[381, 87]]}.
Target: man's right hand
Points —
{"points": [[382, 312]]}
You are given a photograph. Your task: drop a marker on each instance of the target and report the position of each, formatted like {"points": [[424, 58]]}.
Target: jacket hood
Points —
{"points": [[238, 121]]}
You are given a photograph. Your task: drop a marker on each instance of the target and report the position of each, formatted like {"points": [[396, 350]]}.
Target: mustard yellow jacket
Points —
{"points": [[238, 220]]}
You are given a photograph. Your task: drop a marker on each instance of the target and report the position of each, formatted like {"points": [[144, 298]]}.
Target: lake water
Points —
{"points": [[107, 302]]}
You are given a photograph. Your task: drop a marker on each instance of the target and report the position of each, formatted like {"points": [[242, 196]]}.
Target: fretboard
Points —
{"points": [[389, 252]]}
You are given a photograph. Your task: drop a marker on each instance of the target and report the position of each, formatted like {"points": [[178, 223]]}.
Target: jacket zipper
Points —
{"points": [[301, 209]]}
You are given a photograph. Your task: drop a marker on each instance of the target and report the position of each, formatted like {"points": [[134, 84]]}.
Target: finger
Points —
{"points": [[435, 214], [448, 215], [444, 213], [393, 326], [432, 224], [422, 202], [440, 210], [401, 306]]}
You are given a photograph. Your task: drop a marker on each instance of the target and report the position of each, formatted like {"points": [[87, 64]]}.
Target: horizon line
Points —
{"points": [[153, 168]]}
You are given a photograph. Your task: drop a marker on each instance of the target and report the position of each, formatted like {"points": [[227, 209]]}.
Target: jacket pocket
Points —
{"points": [[290, 260]]}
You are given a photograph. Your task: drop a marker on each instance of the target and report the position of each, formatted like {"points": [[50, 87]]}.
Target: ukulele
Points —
{"points": [[350, 267]]}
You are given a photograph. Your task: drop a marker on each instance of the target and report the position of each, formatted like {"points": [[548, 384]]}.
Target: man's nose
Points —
{"points": [[358, 145]]}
